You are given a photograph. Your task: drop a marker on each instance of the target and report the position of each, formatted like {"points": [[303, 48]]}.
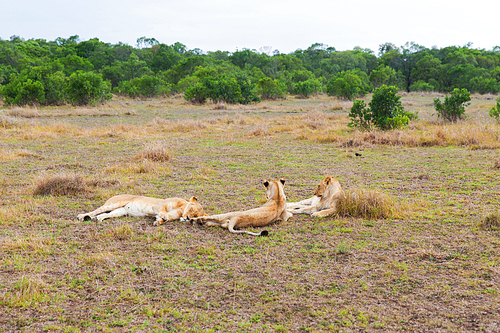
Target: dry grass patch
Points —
{"points": [[10, 155], [180, 126], [31, 244], [98, 258], [60, 184], [156, 151], [369, 204], [491, 222], [9, 122], [24, 112]]}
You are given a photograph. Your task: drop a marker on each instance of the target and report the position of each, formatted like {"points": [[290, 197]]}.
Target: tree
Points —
{"points": [[385, 111], [453, 107]]}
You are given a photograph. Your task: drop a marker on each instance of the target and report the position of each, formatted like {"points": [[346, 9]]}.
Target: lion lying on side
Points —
{"points": [[133, 205], [274, 209], [323, 203]]}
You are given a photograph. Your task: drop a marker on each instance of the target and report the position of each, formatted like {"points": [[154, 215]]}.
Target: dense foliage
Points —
{"points": [[37, 71], [385, 111]]}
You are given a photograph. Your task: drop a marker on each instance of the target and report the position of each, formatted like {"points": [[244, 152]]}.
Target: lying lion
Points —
{"points": [[323, 203], [274, 209], [133, 205]]}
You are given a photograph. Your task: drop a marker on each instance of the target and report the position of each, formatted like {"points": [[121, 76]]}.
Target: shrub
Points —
{"points": [[495, 111], [385, 111], [348, 85], [453, 107], [22, 90], [87, 88], [227, 88], [145, 86], [305, 89], [271, 89], [197, 93], [421, 86]]}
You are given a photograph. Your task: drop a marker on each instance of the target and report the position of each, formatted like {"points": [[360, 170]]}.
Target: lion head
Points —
{"points": [[193, 209]]}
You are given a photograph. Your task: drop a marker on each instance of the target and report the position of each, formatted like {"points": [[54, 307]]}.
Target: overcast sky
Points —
{"points": [[285, 25]]}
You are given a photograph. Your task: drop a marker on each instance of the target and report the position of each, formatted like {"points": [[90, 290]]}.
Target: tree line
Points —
{"points": [[42, 72]]}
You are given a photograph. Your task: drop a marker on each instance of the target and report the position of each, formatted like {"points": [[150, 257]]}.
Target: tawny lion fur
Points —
{"points": [[324, 202], [274, 209], [162, 209]]}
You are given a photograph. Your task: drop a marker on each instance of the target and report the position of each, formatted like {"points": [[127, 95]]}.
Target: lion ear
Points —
{"points": [[265, 182], [327, 180], [282, 180], [193, 199]]}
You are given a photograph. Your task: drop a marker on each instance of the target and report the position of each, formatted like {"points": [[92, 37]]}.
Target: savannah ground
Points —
{"points": [[434, 266]]}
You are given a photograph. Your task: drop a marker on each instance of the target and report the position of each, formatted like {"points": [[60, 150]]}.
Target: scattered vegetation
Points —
{"points": [[407, 237]]}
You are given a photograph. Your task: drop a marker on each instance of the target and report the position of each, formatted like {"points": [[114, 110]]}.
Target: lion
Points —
{"points": [[132, 205], [324, 202], [274, 209]]}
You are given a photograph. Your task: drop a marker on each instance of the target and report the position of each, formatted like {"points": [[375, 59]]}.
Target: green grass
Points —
{"points": [[434, 266]]}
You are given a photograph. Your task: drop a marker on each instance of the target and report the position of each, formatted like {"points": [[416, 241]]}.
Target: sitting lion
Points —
{"points": [[323, 203], [274, 209], [133, 205]]}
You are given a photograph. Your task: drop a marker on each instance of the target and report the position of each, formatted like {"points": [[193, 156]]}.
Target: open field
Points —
{"points": [[433, 267]]}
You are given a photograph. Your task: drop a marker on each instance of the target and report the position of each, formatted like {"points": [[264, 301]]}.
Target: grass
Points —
{"points": [[414, 248]]}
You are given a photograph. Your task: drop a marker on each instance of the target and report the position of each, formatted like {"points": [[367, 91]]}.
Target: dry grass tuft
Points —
{"points": [[156, 151], [61, 184], [98, 258], [491, 222], [9, 122], [184, 126], [496, 164], [122, 232], [368, 204], [30, 244], [24, 112], [219, 106]]}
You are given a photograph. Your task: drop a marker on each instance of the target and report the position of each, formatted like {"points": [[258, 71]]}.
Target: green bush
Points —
{"points": [[348, 85], [145, 86], [228, 88], [22, 90], [305, 89], [197, 93], [385, 111], [495, 111], [86, 88], [421, 86], [271, 89], [453, 107]]}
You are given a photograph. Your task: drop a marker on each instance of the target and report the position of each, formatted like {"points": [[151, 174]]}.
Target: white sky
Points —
{"points": [[286, 25]]}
